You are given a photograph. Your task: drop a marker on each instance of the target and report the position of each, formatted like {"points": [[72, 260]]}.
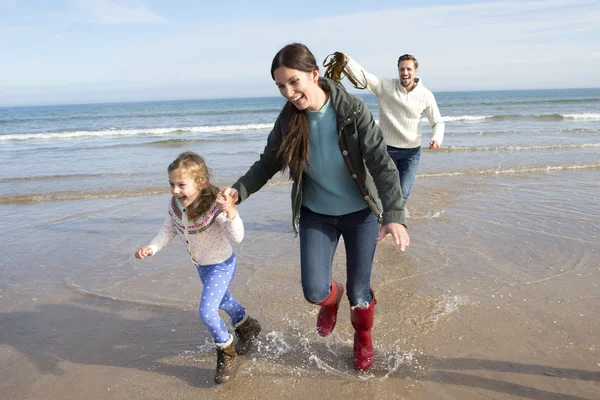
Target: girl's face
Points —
{"points": [[183, 187], [300, 88]]}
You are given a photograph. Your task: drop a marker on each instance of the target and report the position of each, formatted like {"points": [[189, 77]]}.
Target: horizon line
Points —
{"points": [[367, 93]]}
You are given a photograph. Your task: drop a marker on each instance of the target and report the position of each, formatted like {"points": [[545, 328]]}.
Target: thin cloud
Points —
{"points": [[8, 3], [477, 46], [111, 13]]}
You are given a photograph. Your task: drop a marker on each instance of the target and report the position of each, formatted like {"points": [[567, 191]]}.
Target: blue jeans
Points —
{"points": [[319, 237], [407, 162]]}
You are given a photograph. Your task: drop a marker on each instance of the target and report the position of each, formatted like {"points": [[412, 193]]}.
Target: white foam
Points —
{"points": [[458, 118], [136, 132], [591, 116], [274, 345], [548, 168], [465, 118]]}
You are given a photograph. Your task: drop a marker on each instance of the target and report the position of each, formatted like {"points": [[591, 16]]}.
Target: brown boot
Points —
{"points": [[226, 362], [246, 331]]}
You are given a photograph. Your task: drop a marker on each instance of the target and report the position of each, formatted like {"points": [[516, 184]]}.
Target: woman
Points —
{"points": [[338, 161]]}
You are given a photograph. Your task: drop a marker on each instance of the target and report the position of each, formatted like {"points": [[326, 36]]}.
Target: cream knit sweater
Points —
{"points": [[400, 111]]}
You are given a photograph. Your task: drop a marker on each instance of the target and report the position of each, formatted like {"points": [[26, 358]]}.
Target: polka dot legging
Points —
{"points": [[216, 295]]}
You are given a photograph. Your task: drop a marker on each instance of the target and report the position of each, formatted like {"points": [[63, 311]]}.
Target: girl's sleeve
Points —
{"points": [[233, 229], [164, 236]]}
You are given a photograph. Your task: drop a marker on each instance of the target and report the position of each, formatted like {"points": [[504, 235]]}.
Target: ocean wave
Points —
{"points": [[29, 198], [465, 118], [456, 118], [530, 102], [590, 116], [187, 142], [560, 117], [168, 143], [508, 171], [42, 178], [541, 117], [139, 115], [519, 148], [136, 132], [70, 196]]}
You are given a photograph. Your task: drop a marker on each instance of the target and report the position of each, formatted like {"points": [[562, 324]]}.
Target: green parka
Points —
{"points": [[364, 151]]}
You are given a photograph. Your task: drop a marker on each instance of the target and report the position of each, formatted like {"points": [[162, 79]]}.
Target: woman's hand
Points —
{"points": [[398, 232], [229, 191], [226, 203]]}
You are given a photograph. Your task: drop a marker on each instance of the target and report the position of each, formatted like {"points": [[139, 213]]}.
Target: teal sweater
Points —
{"points": [[328, 189]]}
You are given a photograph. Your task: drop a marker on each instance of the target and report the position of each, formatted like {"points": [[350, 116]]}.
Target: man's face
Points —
{"points": [[407, 73]]}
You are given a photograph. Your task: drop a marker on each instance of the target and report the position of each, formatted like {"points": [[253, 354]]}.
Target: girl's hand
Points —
{"points": [[143, 252]]}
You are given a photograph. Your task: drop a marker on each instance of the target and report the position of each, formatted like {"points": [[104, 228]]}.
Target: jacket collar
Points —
{"points": [[344, 105]]}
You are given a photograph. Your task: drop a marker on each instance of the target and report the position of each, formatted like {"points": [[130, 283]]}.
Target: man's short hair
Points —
{"points": [[405, 57]]}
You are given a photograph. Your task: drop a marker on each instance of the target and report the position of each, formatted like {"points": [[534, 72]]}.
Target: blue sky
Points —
{"points": [[81, 51]]}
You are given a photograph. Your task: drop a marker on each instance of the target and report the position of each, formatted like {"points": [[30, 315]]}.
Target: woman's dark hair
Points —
{"points": [[294, 146], [193, 166]]}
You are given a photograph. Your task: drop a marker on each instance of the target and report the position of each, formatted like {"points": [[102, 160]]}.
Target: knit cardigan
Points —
{"points": [[208, 238], [400, 111]]}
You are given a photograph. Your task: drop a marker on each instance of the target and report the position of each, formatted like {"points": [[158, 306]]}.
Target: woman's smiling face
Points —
{"points": [[299, 88]]}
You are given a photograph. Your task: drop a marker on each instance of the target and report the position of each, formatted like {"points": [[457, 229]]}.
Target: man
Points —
{"points": [[401, 103]]}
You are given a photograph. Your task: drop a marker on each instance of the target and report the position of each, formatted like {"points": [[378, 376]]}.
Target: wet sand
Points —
{"points": [[497, 298]]}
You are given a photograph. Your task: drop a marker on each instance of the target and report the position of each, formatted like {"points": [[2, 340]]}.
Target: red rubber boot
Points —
{"points": [[362, 321], [329, 309]]}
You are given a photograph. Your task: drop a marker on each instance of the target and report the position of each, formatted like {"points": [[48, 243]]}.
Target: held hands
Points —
{"points": [[144, 252], [433, 145], [229, 191], [226, 202], [398, 232]]}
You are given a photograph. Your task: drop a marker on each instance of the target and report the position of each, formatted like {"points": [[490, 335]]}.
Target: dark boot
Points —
{"points": [[362, 321], [329, 309], [226, 362], [246, 331]]}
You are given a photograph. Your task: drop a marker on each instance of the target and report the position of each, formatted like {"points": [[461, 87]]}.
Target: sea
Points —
{"points": [[95, 151], [511, 199]]}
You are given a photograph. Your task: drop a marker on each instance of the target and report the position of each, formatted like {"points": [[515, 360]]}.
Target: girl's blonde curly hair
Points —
{"points": [[193, 166]]}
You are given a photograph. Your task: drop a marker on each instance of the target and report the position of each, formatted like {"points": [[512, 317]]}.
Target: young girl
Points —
{"points": [[345, 184], [207, 221]]}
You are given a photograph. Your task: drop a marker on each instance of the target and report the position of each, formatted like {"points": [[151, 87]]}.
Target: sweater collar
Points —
{"points": [[314, 115], [418, 84]]}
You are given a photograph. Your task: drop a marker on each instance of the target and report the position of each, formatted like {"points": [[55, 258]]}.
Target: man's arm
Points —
{"points": [[363, 77], [437, 124]]}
